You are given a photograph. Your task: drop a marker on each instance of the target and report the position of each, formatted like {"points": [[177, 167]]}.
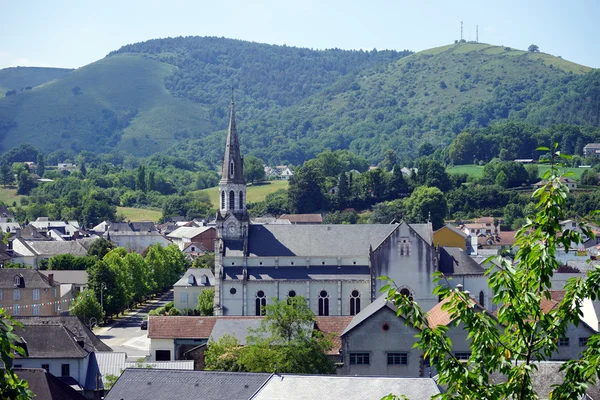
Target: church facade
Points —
{"points": [[334, 267]]}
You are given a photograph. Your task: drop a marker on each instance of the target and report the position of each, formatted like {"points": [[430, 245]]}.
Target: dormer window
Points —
{"points": [[18, 280], [204, 280], [191, 279]]}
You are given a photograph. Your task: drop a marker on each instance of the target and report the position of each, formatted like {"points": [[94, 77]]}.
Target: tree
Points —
{"points": [[86, 307], [223, 354], [70, 262], [24, 183], [397, 186], [305, 192], [589, 177], [390, 159], [424, 204], [522, 332], [100, 247], [385, 213], [286, 341], [206, 301], [254, 169], [11, 387], [83, 169], [103, 282], [343, 192], [140, 182], [41, 166], [502, 179], [6, 175], [533, 48]]}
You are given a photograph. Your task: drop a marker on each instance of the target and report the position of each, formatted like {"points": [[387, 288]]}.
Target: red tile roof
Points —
{"points": [[506, 238], [439, 317], [334, 325]]}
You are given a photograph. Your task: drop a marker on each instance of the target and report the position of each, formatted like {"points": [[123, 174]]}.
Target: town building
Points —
{"points": [[46, 386], [187, 289], [591, 150], [202, 235], [25, 291]]}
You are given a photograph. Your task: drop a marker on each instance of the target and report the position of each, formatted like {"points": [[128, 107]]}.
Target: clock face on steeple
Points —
{"points": [[231, 228]]}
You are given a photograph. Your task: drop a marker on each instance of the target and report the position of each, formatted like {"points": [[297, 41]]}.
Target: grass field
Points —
{"points": [[8, 196], [476, 171], [139, 214], [254, 193]]}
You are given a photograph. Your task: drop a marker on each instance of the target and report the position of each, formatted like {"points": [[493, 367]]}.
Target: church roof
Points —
{"points": [[455, 261], [311, 240], [232, 155]]}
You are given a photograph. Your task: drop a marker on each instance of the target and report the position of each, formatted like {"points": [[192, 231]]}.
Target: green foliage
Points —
{"points": [[522, 333], [305, 193], [426, 204], [24, 183], [70, 262], [11, 387], [254, 170], [223, 354], [533, 49], [385, 213], [206, 260], [206, 300], [173, 312], [589, 177], [100, 247], [86, 306], [6, 175]]}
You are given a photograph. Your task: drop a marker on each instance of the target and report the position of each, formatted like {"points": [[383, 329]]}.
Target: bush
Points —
{"points": [[173, 312]]}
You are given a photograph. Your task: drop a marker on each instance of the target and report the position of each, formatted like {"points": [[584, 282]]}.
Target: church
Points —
{"points": [[334, 267]]}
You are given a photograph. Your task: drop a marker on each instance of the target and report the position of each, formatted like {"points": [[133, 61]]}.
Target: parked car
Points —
{"points": [[144, 324]]}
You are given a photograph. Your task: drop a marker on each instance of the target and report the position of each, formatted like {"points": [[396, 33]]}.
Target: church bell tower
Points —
{"points": [[232, 217]]}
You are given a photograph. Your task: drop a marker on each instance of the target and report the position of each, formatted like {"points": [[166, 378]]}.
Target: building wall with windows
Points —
{"points": [[330, 297], [59, 367], [26, 292], [382, 345], [574, 342]]}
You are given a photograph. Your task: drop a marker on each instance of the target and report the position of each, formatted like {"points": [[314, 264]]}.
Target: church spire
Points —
{"points": [[233, 163]]}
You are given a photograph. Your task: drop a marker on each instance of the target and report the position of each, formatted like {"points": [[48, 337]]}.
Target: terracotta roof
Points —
{"points": [[439, 317], [485, 220], [303, 218], [334, 325]]}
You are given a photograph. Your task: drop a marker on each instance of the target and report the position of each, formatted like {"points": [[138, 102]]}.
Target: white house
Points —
{"points": [[187, 289]]}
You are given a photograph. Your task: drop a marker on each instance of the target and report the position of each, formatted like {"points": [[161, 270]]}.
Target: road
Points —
{"points": [[125, 335]]}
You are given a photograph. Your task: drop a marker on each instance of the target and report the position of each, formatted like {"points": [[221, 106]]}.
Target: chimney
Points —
{"points": [[51, 279]]}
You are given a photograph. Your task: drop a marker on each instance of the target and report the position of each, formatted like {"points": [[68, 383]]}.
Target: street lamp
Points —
{"points": [[102, 288]]}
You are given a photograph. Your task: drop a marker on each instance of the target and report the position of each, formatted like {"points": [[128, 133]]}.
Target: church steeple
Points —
{"points": [[232, 170]]}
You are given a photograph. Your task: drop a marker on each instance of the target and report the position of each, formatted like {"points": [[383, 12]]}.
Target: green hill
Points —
{"points": [[19, 78], [292, 103]]}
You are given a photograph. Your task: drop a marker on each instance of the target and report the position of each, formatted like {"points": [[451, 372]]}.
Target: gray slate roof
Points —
{"points": [[369, 310], [235, 327], [455, 261], [73, 325], [317, 272], [49, 341], [53, 248], [68, 276], [196, 273], [46, 386], [32, 279], [309, 387], [311, 240], [157, 384]]}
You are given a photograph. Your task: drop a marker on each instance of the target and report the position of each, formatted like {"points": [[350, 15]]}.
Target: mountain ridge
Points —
{"points": [[291, 102]]}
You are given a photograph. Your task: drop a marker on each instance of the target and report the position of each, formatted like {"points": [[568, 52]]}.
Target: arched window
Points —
{"points": [[482, 298], [323, 303], [260, 302], [354, 302], [223, 200], [406, 292], [17, 280], [231, 169], [241, 200], [231, 200]]}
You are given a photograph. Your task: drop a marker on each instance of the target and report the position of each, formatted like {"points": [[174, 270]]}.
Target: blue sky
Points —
{"points": [[64, 33]]}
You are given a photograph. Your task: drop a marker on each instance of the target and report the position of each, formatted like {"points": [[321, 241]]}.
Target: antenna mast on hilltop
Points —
{"points": [[461, 31], [477, 33]]}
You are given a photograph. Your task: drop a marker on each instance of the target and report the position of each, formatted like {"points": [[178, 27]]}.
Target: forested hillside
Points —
{"points": [[291, 103]]}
